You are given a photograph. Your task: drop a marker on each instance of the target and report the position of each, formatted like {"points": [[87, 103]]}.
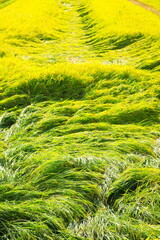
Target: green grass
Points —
{"points": [[79, 121]]}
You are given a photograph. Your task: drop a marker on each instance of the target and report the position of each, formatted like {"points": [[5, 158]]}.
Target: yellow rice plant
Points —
{"points": [[29, 19], [123, 17]]}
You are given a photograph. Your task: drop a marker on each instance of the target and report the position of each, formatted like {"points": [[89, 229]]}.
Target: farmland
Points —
{"points": [[79, 120], [155, 3]]}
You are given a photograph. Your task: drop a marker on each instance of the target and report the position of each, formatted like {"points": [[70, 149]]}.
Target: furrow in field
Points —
{"points": [[72, 47]]}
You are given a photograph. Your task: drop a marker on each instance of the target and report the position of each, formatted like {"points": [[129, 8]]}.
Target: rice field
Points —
{"points": [[154, 3], [79, 120]]}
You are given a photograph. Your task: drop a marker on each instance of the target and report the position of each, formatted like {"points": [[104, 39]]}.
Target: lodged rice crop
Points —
{"points": [[79, 120]]}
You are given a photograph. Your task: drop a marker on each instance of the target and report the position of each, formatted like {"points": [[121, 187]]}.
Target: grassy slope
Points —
{"points": [[79, 121]]}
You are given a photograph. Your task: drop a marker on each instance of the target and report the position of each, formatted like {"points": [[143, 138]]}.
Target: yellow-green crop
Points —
{"points": [[79, 120]]}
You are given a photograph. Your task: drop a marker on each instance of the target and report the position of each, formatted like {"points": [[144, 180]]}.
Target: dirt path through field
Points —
{"points": [[146, 6]]}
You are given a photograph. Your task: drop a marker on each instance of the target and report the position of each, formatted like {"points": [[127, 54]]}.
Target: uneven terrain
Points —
{"points": [[79, 120]]}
